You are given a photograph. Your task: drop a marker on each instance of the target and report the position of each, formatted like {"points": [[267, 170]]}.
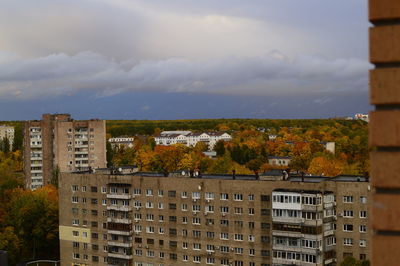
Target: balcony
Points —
{"points": [[36, 171], [120, 244], [312, 222], [288, 220], [121, 233], [119, 256], [119, 196], [329, 232], [119, 208], [119, 220], [312, 208]]}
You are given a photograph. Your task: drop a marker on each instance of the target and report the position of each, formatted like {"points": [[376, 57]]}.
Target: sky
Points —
{"points": [[177, 59]]}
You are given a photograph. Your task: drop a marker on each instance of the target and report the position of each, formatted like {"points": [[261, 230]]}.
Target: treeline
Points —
{"points": [[149, 127]]}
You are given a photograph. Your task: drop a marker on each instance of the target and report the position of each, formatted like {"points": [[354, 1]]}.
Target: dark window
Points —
{"points": [[265, 226], [172, 218], [172, 206], [265, 239], [93, 189], [93, 224], [95, 258], [265, 212], [150, 241], [173, 256], [172, 193], [161, 242], [251, 224], [264, 197], [173, 244], [265, 253], [95, 247], [138, 240], [172, 232]]}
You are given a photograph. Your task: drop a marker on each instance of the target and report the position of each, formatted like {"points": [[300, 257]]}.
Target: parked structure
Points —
{"points": [[7, 132], [59, 142], [148, 219], [190, 139]]}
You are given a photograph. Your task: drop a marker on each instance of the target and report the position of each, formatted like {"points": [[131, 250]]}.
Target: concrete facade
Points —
{"points": [[147, 219], [57, 141]]}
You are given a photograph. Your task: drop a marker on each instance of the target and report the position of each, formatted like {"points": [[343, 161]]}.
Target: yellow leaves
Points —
{"points": [[326, 167]]}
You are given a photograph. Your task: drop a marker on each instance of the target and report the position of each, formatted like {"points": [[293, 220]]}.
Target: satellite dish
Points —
{"points": [[183, 173]]}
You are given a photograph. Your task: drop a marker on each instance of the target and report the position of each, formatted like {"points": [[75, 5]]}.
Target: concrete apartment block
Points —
{"points": [[7, 132], [59, 141], [385, 129], [148, 219]]}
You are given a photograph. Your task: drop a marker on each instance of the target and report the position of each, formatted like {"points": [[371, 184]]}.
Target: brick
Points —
{"points": [[385, 250], [384, 10], [385, 169], [384, 128], [384, 44], [385, 86], [385, 212]]}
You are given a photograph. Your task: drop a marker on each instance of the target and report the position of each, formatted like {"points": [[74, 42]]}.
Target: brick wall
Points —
{"points": [[385, 129]]}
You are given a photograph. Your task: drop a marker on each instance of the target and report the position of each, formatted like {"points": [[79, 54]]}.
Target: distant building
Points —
{"points": [[279, 160], [272, 137], [121, 142], [364, 117], [190, 139], [330, 146], [7, 132], [57, 141]]}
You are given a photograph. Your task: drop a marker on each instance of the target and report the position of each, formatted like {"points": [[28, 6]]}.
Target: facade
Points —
{"points": [[57, 141], [121, 142], [279, 160], [7, 132], [148, 219], [190, 139]]}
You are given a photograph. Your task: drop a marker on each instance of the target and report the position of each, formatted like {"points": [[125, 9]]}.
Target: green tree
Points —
{"points": [[109, 154], [219, 147], [10, 242]]}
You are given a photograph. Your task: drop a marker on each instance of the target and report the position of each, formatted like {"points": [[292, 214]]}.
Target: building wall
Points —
{"points": [[7, 132], [56, 133], [384, 128], [168, 185]]}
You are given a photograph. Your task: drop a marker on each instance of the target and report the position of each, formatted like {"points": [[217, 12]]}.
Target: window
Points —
{"points": [[251, 211], [149, 205], [161, 230], [184, 194], [224, 209], [210, 260], [83, 188], [150, 253], [224, 249], [196, 259], [209, 208], [363, 243], [172, 206], [103, 202], [238, 210], [265, 212], [136, 191], [348, 227], [75, 199], [196, 246], [185, 257], [348, 241], [266, 239], [238, 197], [363, 199], [265, 253], [93, 189], [184, 207], [251, 197], [138, 252], [196, 233], [265, 226], [103, 189], [252, 252], [160, 205], [160, 193], [251, 238], [172, 193], [238, 223], [251, 225], [149, 217], [363, 228], [210, 248], [149, 192], [210, 234], [172, 218], [74, 188], [184, 232], [196, 208], [347, 199], [238, 250], [150, 229], [195, 195], [238, 237], [184, 245], [264, 197], [363, 214], [75, 244], [224, 236], [348, 214], [224, 222], [209, 195], [75, 233], [196, 220], [224, 196], [160, 218], [184, 220], [75, 255]]}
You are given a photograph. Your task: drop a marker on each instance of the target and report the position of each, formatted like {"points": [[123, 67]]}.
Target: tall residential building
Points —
{"points": [[7, 132], [59, 142], [147, 219]]}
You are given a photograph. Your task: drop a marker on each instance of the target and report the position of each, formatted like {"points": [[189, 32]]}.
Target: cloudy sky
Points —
{"points": [[158, 59]]}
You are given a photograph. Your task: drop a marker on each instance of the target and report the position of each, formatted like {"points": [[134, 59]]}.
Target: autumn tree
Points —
{"points": [[327, 167]]}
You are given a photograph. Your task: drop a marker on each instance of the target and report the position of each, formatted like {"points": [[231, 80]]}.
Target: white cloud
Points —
{"points": [[61, 74]]}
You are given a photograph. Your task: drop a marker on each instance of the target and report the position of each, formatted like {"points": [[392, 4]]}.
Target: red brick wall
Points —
{"points": [[385, 129]]}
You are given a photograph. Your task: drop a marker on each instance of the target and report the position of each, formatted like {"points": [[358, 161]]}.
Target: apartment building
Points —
{"points": [[59, 142], [190, 139], [147, 219], [7, 132]]}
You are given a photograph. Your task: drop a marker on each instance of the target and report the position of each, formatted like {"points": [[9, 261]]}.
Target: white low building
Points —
{"points": [[7, 132], [121, 142], [190, 139]]}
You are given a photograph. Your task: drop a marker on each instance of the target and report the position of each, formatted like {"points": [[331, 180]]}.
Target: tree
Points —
{"points": [[323, 166], [255, 164], [219, 147], [10, 242], [350, 261], [109, 154]]}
